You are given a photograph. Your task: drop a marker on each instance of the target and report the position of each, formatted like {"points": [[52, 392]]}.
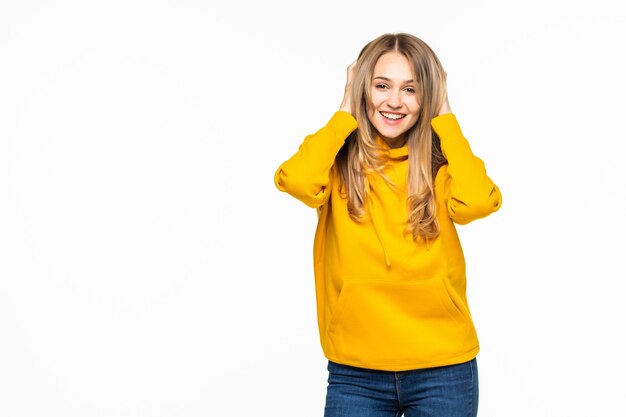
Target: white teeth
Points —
{"points": [[392, 116]]}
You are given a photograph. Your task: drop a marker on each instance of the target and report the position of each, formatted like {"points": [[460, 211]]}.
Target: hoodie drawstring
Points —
{"points": [[380, 240]]}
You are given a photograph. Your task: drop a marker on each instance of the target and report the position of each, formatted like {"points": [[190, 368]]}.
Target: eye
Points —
{"points": [[381, 86], [410, 90]]}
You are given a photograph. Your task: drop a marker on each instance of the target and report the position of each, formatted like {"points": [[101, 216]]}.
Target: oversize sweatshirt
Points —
{"points": [[384, 300]]}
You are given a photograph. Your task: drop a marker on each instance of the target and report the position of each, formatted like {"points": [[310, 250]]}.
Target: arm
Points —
{"points": [[306, 175], [469, 193]]}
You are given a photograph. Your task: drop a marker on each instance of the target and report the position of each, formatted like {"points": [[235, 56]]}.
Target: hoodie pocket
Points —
{"points": [[392, 322]]}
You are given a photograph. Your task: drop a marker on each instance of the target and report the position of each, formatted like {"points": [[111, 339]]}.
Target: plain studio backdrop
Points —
{"points": [[149, 267]]}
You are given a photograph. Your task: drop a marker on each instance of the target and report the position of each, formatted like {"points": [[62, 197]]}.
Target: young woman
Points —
{"points": [[390, 174]]}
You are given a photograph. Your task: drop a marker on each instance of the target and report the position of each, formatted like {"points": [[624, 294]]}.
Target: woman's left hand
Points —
{"points": [[445, 106]]}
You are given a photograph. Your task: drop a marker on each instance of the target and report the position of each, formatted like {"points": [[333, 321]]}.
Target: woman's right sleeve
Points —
{"points": [[306, 175]]}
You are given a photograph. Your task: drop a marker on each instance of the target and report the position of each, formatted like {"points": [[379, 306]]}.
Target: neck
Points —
{"points": [[395, 142]]}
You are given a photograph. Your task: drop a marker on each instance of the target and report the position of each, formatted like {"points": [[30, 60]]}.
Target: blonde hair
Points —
{"points": [[362, 155]]}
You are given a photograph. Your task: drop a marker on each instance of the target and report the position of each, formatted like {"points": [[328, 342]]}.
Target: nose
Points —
{"points": [[394, 99]]}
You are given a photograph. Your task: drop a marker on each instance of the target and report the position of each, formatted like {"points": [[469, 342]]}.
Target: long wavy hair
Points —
{"points": [[362, 155]]}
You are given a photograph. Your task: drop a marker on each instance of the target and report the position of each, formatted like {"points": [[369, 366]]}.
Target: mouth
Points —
{"points": [[392, 116]]}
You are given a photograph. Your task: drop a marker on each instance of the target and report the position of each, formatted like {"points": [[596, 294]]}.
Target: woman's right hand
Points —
{"points": [[346, 104]]}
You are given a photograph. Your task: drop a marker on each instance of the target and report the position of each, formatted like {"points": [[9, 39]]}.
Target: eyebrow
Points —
{"points": [[389, 79]]}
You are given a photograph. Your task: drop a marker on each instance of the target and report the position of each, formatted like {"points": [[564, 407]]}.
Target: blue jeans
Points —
{"points": [[446, 391]]}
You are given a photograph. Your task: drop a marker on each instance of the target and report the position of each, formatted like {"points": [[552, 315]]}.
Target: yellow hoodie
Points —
{"points": [[384, 300]]}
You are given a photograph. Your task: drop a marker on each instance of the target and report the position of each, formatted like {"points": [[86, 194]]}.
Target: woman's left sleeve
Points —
{"points": [[469, 192]]}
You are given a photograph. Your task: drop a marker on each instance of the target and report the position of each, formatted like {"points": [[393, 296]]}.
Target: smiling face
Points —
{"points": [[393, 109]]}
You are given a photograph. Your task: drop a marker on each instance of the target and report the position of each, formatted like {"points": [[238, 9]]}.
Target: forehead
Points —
{"points": [[393, 65]]}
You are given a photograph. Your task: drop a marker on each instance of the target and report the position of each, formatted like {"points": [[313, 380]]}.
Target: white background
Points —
{"points": [[149, 267]]}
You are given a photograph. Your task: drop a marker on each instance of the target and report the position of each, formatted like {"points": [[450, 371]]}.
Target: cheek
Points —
{"points": [[376, 98], [415, 109], [371, 115], [413, 105]]}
